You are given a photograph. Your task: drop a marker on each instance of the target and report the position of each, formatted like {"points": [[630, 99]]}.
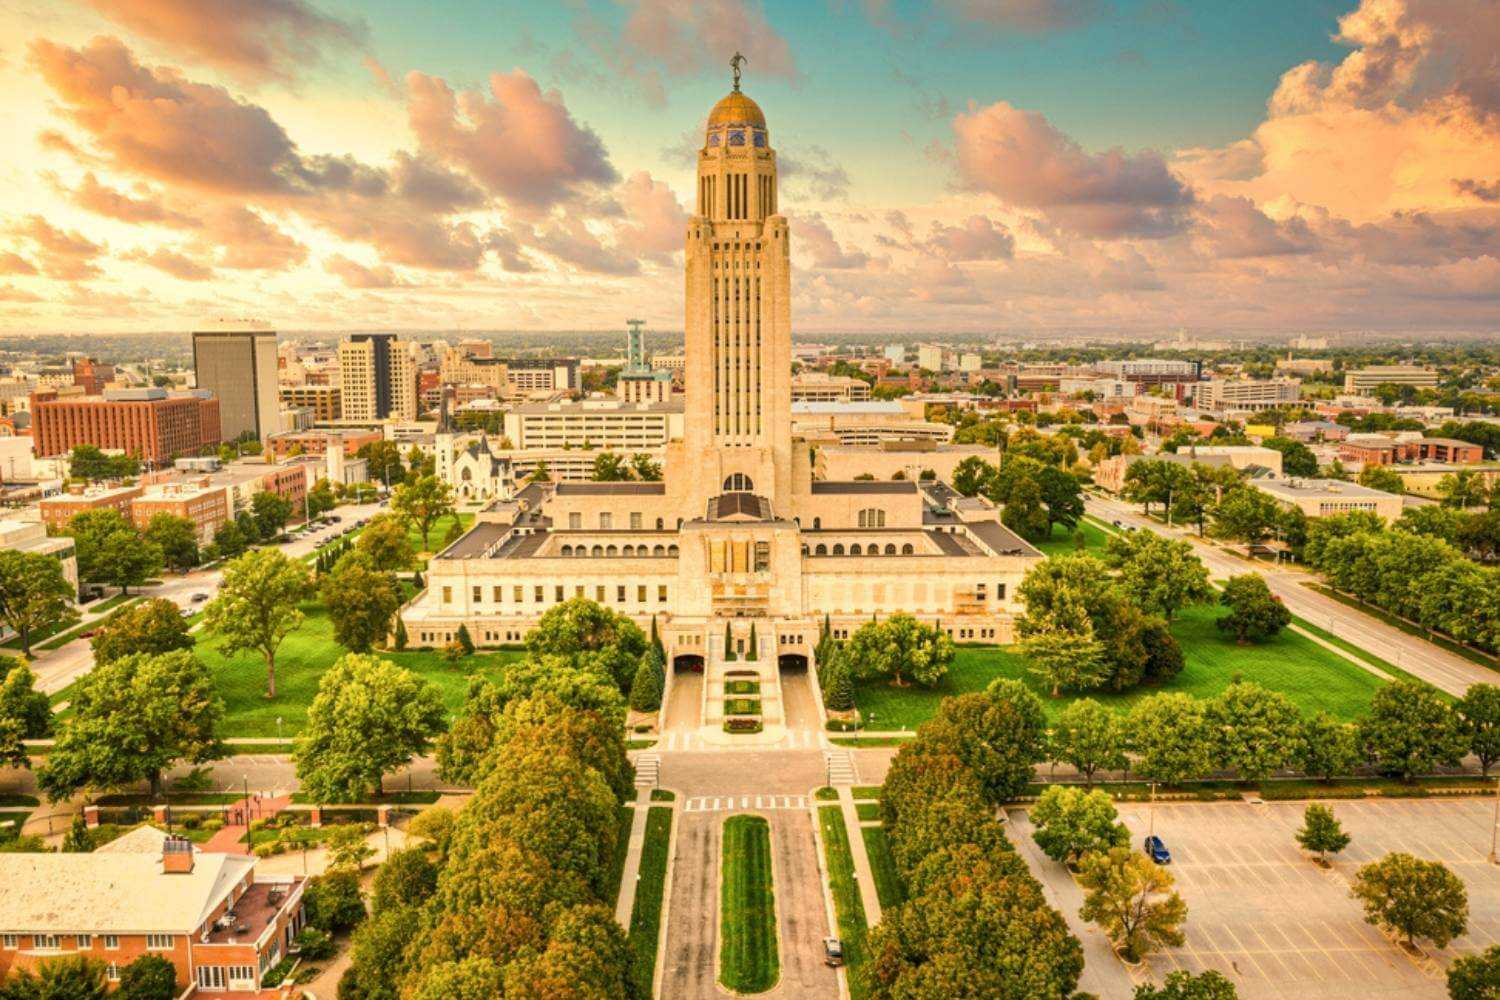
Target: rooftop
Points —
{"points": [[864, 486], [835, 409], [1294, 488]]}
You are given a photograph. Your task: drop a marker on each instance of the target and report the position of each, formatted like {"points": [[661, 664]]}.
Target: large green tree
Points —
{"points": [[422, 502], [1071, 823], [73, 977], [34, 595], [384, 540], [1183, 985], [1131, 898], [1479, 713], [1255, 614], [177, 537], [257, 606], [369, 717], [1410, 730], [1327, 747], [1253, 730], [152, 626], [1089, 737], [271, 512], [900, 649], [1064, 659], [1024, 513], [1161, 575], [1474, 977], [999, 734], [1171, 738], [1246, 514], [585, 630], [360, 601], [1414, 898], [133, 718], [150, 977]]}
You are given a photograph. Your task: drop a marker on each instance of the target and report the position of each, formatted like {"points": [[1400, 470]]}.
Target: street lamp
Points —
{"points": [[1495, 828], [1151, 813]]}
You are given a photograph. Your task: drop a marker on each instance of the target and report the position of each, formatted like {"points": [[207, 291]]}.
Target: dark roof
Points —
{"points": [[871, 486], [476, 542], [611, 489], [729, 504], [1000, 539], [949, 543]]}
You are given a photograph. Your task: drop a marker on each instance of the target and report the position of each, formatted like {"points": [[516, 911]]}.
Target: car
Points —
{"points": [[335, 519], [1117, 522], [833, 952], [1156, 849], [199, 598]]}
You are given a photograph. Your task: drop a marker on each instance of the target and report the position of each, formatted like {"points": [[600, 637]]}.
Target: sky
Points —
{"points": [[1014, 167]]}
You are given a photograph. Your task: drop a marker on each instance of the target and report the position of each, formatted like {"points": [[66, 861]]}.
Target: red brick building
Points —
{"points": [[58, 510], [92, 376], [146, 423], [219, 925]]}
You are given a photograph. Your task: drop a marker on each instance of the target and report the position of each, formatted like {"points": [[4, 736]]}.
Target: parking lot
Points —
{"points": [[1270, 919]]}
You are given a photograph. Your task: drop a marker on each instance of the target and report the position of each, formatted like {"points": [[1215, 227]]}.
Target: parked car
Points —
{"points": [[199, 598], [833, 952], [1156, 849]]}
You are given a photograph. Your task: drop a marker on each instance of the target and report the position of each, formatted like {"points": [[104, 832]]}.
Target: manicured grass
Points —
{"points": [[826, 794], [1314, 678], [867, 810], [741, 706], [1061, 542], [748, 958], [300, 662], [1364, 654], [645, 915], [742, 687], [848, 907], [622, 846], [874, 742], [888, 887], [866, 792], [663, 795], [1442, 642], [639, 744]]}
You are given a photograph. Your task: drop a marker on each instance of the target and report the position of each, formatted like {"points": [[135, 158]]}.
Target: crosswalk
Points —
{"points": [[690, 739], [840, 767], [647, 770], [729, 803]]}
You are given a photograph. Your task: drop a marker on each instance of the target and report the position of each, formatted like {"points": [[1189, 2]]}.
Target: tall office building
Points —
{"points": [[236, 361], [379, 377]]}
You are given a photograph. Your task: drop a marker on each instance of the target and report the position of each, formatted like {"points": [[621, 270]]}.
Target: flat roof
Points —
{"points": [[1294, 488], [872, 406], [864, 486], [476, 541], [611, 489]]}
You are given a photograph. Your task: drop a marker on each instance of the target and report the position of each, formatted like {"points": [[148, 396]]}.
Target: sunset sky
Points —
{"points": [[947, 165]]}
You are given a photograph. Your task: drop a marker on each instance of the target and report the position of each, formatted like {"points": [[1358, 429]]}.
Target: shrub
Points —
{"points": [[314, 945], [332, 901], [742, 725]]}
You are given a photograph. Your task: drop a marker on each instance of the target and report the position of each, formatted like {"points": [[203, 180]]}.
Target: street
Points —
{"points": [[1440, 668]]}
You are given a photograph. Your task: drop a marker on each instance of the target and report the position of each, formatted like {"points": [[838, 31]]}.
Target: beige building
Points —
{"points": [[820, 387], [1245, 395], [1327, 497], [378, 378], [605, 424], [325, 401], [739, 536], [896, 459], [866, 423], [237, 362], [1365, 380], [31, 536]]}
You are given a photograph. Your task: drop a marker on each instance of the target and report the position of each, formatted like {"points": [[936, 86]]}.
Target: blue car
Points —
{"points": [[1157, 850]]}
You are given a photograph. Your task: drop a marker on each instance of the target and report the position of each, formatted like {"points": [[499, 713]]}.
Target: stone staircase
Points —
{"points": [[720, 672]]}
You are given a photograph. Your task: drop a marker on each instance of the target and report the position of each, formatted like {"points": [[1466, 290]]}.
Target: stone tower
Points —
{"points": [[737, 434]]}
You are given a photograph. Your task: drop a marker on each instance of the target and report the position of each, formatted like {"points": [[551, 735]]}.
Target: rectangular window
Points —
{"points": [[635, 521], [44, 942], [999, 591], [557, 594], [538, 594], [112, 973], [606, 520], [661, 593], [158, 942], [640, 594], [575, 521], [499, 593], [578, 590], [979, 592], [478, 594], [242, 973], [762, 556], [211, 977], [620, 594], [85, 941], [518, 594], [447, 595], [9, 942], [599, 594]]}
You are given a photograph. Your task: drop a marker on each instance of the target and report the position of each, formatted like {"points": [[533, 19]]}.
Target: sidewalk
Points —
{"points": [[229, 839], [863, 873], [626, 903]]}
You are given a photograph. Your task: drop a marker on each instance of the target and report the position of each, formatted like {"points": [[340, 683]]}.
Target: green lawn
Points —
{"points": [[847, 904], [867, 810], [1061, 543], [622, 846], [1313, 677], [741, 706], [300, 662], [748, 959], [888, 887], [866, 792], [645, 915]]}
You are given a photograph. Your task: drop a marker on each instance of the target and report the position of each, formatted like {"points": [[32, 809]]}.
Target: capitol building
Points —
{"points": [[738, 532]]}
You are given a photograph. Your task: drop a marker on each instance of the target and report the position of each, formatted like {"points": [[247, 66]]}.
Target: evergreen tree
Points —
{"points": [[751, 651], [838, 689], [77, 840], [728, 642], [400, 635], [646, 689], [464, 640]]}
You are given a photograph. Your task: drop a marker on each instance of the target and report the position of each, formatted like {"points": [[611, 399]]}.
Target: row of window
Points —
{"points": [[610, 551], [958, 633], [856, 549], [559, 593], [607, 521], [82, 942]]}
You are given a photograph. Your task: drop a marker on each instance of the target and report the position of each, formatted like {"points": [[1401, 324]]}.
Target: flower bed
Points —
{"points": [[742, 725]]}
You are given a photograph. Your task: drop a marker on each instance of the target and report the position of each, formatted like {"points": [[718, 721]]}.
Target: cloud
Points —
{"points": [[1027, 15], [357, 275], [247, 242], [169, 261], [812, 235], [146, 208], [64, 256], [1236, 228], [570, 240], [813, 173], [520, 143], [686, 37], [14, 263], [1479, 189], [655, 218], [253, 39], [978, 238], [1022, 159], [10, 293]]}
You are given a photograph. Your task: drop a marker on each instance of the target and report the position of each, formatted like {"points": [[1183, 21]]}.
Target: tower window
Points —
{"points": [[739, 483]]}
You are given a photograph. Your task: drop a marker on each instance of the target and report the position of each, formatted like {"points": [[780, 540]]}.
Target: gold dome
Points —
{"points": [[736, 109]]}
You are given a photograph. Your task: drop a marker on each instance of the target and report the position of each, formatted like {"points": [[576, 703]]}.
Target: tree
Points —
{"points": [[34, 595], [332, 901], [901, 649], [1464, 488], [384, 462], [384, 540], [610, 468], [369, 717], [1410, 730], [1062, 494], [406, 878], [647, 687], [177, 537], [348, 850], [400, 638], [1000, 735], [1183, 985], [152, 626], [1433, 521], [360, 602], [88, 462], [21, 704], [1479, 713], [1321, 832], [1161, 575], [1253, 730], [1327, 747], [320, 499], [972, 475], [1131, 898], [1297, 458], [1246, 514], [89, 529], [1089, 737], [149, 977], [1071, 823], [1064, 659], [1473, 977], [271, 512], [1171, 738], [76, 977], [257, 606], [1380, 477], [1024, 513], [646, 470], [229, 541], [1255, 614], [128, 560], [580, 628], [422, 502], [1414, 898], [133, 718]]}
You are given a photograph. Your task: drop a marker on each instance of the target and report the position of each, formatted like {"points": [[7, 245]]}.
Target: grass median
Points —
{"points": [[848, 907], [888, 887], [748, 956]]}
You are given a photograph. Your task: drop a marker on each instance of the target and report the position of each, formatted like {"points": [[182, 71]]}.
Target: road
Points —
{"points": [[56, 669], [1440, 668]]}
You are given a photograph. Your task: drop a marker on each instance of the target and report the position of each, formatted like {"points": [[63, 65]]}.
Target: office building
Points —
{"points": [[237, 362], [1363, 381], [150, 424], [325, 401], [820, 387], [1246, 395], [378, 377]]}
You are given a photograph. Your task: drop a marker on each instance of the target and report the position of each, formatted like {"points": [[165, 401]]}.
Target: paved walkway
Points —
{"points": [[863, 873], [626, 903], [229, 840]]}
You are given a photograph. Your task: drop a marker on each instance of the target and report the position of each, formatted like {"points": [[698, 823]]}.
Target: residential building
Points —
{"points": [[820, 387], [58, 510], [895, 353], [325, 401], [930, 357], [463, 369], [1326, 497], [1365, 380], [378, 378], [220, 924], [31, 536], [970, 362], [1245, 395], [150, 424], [199, 501], [237, 362]]}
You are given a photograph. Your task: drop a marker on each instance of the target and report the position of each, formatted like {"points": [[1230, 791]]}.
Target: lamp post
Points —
{"points": [[1495, 828], [245, 809], [1151, 813]]}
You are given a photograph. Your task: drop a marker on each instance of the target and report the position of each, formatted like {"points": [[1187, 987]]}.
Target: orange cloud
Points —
{"points": [[65, 256], [169, 261]]}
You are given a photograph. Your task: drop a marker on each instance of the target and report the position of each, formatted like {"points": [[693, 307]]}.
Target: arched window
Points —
{"points": [[567, 550], [739, 483], [855, 550], [821, 550], [611, 551], [872, 517], [671, 550], [907, 550], [658, 550], [597, 550], [628, 551], [838, 548], [890, 548], [466, 475]]}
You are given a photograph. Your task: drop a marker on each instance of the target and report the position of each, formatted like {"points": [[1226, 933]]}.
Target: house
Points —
{"points": [[149, 892]]}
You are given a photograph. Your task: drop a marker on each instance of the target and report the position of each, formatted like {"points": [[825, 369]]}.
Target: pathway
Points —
{"points": [[229, 840], [626, 901]]}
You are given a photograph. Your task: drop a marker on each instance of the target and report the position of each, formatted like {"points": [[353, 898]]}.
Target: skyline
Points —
{"points": [[1030, 166]]}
